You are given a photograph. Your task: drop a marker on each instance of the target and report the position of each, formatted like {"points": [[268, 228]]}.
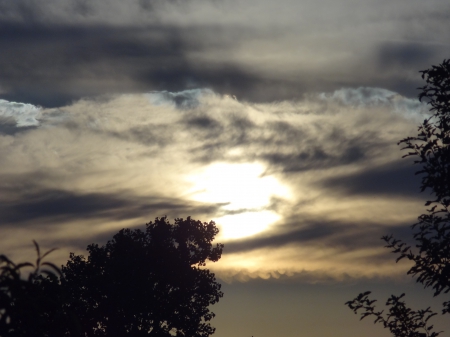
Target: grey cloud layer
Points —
{"points": [[113, 161], [345, 236], [397, 178], [258, 50], [59, 206]]}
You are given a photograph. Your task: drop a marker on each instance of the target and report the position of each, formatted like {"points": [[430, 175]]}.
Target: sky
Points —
{"points": [[277, 120]]}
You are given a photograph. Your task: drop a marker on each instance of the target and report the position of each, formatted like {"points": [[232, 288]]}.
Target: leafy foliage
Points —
{"points": [[24, 308], [141, 283], [431, 263], [147, 282], [431, 144], [401, 320]]}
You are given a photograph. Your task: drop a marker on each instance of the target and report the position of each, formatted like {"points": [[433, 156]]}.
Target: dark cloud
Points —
{"points": [[414, 55], [393, 179], [51, 65], [217, 137], [183, 100], [8, 126], [82, 7], [336, 147], [203, 122], [345, 236], [61, 204], [290, 147], [393, 57], [205, 127], [150, 134], [222, 77], [54, 64], [31, 11], [48, 65], [27, 203], [58, 51], [315, 158], [21, 9]]}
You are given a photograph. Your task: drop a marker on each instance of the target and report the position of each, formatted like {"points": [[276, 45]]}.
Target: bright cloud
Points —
{"points": [[366, 97], [23, 114], [310, 183], [245, 193]]}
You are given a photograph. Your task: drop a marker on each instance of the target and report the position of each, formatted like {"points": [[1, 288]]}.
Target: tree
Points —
{"points": [[141, 283], [24, 308], [431, 256]]}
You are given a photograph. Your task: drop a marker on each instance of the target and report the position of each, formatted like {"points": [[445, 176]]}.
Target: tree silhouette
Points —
{"points": [[141, 283], [431, 255], [24, 308]]}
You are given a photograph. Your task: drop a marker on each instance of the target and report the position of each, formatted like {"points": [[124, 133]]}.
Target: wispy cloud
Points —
{"points": [[60, 51], [295, 186]]}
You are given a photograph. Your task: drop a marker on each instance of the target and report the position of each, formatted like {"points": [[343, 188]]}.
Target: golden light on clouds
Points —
{"points": [[295, 187], [245, 193], [309, 263], [236, 226]]}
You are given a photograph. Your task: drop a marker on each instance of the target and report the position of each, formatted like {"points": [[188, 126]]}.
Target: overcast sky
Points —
{"points": [[278, 120]]}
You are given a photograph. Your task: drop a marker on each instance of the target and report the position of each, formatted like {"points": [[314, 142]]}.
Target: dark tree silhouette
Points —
{"points": [[24, 308], [431, 255], [141, 283], [150, 282]]}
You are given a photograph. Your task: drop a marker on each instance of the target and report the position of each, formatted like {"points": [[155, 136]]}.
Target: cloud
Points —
{"points": [[366, 97], [113, 126], [188, 99], [59, 206], [397, 178], [23, 114], [298, 183], [416, 55], [61, 51]]}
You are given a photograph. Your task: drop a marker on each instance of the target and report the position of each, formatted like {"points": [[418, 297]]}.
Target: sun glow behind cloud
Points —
{"points": [[302, 186], [245, 193], [123, 102]]}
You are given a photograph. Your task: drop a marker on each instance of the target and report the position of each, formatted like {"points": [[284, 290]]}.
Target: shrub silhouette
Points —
{"points": [[431, 257], [141, 283], [24, 307]]}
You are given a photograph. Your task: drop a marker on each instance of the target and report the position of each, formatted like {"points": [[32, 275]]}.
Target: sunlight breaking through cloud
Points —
{"points": [[294, 174], [245, 193]]}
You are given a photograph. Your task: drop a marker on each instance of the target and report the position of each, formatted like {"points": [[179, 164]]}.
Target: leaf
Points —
{"points": [[53, 266], [48, 252], [24, 264]]}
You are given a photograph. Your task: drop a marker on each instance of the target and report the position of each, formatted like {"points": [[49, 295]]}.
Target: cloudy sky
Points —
{"points": [[279, 120]]}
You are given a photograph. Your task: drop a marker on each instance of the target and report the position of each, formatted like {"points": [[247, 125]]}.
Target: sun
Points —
{"points": [[245, 194]]}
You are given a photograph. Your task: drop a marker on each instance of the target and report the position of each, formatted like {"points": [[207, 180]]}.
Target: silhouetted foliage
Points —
{"points": [[432, 233], [150, 281], [401, 320], [141, 283], [24, 308]]}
